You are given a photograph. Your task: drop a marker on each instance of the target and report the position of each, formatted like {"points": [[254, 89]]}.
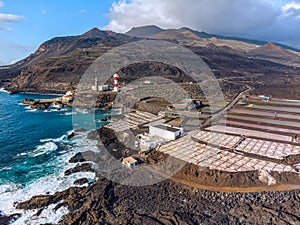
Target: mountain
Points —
{"points": [[251, 48], [274, 52], [94, 33], [171, 34], [145, 31], [58, 64]]}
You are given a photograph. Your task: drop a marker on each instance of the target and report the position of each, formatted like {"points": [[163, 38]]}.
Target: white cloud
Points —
{"points": [[10, 18], [291, 9], [261, 19], [291, 5]]}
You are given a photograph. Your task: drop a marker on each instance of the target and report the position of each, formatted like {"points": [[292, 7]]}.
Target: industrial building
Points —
{"points": [[165, 131]]}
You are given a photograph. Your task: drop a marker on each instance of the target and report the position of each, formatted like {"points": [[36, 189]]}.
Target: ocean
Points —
{"points": [[35, 150]]}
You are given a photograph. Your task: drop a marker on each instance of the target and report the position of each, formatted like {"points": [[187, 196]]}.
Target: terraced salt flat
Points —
{"points": [[132, 120], [220, 139], [267, 128], [206, 156], [249, 133], [268, 148], [254, 112], [268, 121], [259, 147]]}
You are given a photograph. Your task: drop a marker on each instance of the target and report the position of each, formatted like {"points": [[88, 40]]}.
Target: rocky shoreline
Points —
{"points": [[168, 202]]}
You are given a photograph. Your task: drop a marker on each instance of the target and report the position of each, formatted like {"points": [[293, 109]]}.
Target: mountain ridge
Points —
{"points": [[59, 63], [143, 32]]}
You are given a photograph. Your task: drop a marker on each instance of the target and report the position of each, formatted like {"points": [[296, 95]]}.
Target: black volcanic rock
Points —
{"points": [[85, 167], [105, 202], [6, 220], [77, 158], [81, 181]]}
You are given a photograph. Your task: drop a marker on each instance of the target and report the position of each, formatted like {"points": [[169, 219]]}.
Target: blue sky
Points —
{"points": [[44, 19], [25, 24]]}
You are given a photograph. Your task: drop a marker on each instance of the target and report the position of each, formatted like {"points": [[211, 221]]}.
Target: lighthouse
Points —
{"points": [[116, 83]]}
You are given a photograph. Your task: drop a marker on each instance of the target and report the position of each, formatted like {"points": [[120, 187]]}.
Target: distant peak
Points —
{"points": [[148, 26], [95, 29], [273, 46], [186, 28], [95, 32], [144, 31]]}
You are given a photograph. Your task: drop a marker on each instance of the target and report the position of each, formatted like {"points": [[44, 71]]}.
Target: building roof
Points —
{"points": [[130, 160], [168, 128]]}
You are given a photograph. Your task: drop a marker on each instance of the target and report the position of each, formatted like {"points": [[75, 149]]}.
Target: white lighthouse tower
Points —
{"points": [[116, 83]]}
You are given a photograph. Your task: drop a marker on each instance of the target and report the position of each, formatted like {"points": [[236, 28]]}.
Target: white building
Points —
{"points": [[148, 143], [98, 87], [103, 88], [68, 97], [166, 132]]}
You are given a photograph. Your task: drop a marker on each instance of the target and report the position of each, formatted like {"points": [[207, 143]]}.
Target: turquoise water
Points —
{"points": [[31, 140]]}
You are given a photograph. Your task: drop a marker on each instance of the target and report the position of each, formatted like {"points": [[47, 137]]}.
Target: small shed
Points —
{"points": [[130, 162]]}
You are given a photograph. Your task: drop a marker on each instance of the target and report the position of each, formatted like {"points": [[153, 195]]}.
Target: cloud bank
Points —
{"points": [[259, 19]]}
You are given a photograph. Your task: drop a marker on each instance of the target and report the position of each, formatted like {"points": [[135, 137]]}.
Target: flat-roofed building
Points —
{"points": [[165, 131]]}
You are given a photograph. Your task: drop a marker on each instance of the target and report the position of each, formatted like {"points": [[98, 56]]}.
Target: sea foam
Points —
{"points": [[50, 184]]}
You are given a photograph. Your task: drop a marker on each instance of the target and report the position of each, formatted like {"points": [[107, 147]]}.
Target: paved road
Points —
{"points": [[224, 111]]}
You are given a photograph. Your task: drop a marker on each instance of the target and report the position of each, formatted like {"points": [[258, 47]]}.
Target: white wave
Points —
{"points": [[48, 216], [69, 113], [3, 90], [55, 110], [62, 139], [82, 111], [55, 106], [42, 149], [50, 184], [32, 110], [22, 154]]}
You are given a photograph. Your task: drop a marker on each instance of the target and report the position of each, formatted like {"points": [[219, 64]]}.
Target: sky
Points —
{"points": [[25, 24]]}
